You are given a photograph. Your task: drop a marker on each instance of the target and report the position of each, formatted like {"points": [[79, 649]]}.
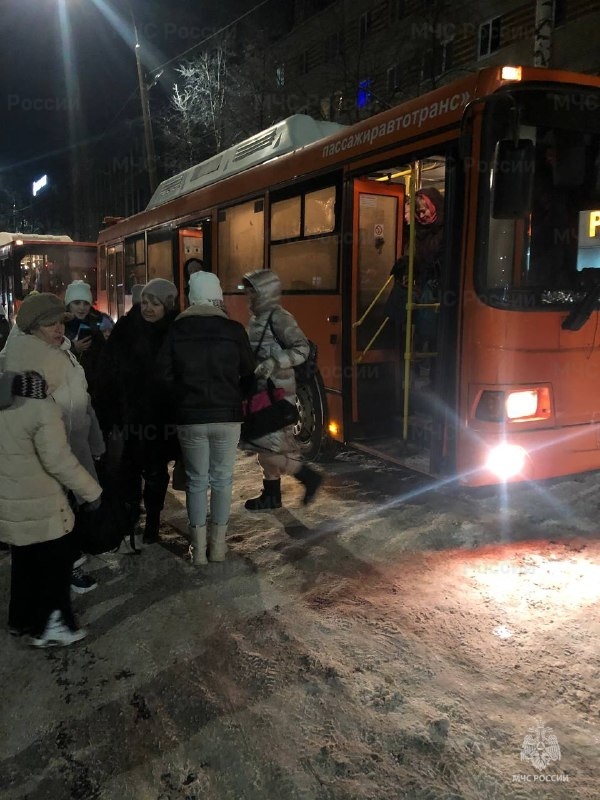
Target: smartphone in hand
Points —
{"points": [[84, 331]]}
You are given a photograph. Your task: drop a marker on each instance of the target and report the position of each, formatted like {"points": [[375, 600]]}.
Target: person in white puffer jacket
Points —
{"points": [[36, 468], [40, 344], [45, 349]]}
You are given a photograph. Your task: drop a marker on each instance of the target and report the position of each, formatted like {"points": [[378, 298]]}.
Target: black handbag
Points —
{"points": [[104, 528], [268, 413]]}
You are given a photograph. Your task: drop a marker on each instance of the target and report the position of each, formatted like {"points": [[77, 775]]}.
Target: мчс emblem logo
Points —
{"points": [[540, 746]]}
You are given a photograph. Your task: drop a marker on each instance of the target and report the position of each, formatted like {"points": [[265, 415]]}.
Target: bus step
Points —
{"points": [[396, 451]]}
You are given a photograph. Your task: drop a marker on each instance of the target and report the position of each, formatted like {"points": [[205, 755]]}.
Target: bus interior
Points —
{"points": [[396, 397]]}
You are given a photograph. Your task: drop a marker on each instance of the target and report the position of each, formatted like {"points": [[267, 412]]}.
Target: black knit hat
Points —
{"points": [[30, 384]]}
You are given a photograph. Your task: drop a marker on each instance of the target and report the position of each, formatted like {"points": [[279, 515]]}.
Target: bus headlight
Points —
{"points": [[520, 405], [531, 404], [506, 460]]}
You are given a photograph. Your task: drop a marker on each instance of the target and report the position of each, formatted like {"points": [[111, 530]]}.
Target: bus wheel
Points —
{"points": [[309, 431]]}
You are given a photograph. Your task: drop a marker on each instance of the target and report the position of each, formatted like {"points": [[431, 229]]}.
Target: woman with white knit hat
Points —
{"points": [[132, 405], [204, 362], [83, 329]]}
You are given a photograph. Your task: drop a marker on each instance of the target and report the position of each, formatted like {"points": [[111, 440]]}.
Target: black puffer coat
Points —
{"points": [[207, 364], [127, 390], [89, 358]]}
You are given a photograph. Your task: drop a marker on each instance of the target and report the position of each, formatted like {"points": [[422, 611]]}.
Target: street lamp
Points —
{"points": [[117, 22], [149, 138]]}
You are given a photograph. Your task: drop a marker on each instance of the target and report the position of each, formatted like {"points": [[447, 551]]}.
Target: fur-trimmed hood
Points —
{"points": [[202, 311]]}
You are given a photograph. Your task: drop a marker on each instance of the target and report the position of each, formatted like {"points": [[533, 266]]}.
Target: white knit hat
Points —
{"points": [[205, 288], [78, 290]]}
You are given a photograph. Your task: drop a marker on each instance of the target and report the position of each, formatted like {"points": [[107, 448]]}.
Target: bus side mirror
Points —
{"points": [[512, 178]]}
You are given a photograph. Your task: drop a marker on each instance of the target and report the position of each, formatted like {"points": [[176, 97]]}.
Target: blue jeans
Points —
{"points": [[209, 452]]}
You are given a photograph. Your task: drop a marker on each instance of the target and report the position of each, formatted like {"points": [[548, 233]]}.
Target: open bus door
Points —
{"points": [[403, 385], [375, 344], [194, 242]]}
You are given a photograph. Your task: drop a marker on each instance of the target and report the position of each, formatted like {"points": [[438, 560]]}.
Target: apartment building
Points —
{"points": [[344, 60]]}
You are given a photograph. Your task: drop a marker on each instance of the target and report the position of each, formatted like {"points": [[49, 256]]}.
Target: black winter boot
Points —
{"points": [[311, 480], [268, 499], [152, 527]]}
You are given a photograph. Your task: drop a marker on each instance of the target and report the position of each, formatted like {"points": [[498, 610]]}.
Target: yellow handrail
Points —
{"points": [[375, 335], [409, 298], [370, 306]]}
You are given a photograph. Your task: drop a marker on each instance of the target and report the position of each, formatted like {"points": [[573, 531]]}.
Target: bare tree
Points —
{"points": [[197, 123], [223, 96]]}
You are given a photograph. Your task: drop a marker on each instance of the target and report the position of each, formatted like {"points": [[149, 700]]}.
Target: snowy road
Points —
{"points": [[391, 641]]}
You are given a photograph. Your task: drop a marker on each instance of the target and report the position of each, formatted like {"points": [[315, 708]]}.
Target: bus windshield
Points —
{"points": [[547, 257]]}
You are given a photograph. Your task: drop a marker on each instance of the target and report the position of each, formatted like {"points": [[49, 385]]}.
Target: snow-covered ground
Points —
{"points": [[393, 640]]}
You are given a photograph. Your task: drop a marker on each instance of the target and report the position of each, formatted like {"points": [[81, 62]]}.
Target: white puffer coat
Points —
{"points": [[67, 385], [35, 463], [295, 351]]}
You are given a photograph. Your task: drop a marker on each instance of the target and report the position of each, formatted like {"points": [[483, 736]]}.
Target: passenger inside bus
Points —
{"points": [[191, 266], [50, 280], [429, 234]]}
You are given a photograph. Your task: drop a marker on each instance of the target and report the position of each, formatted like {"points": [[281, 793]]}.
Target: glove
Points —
{"points": [[94, 505], [400, 269], [266, 368]]}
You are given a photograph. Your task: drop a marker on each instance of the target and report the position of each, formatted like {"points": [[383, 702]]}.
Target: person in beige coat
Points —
{"points": [[37, 466], [38, 343]]}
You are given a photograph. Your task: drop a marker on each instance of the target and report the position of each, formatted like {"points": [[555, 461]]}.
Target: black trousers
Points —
{"points": [[40, 582], [145, 463]]}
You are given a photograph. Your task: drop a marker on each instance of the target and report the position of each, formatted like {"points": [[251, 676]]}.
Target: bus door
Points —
{"points": [[8, 291], [194, 243], [377, 243], [114, 283]]}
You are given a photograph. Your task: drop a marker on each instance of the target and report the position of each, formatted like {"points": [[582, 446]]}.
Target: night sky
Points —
{"points": [[43, 109]]}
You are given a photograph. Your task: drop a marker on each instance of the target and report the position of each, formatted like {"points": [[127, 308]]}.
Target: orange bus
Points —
{"points": [[507, 388], [44, 263]]}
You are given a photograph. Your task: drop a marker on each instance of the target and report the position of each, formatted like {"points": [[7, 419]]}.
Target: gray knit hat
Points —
{"points": [[136, 293], [163, 290], [40, 309]]}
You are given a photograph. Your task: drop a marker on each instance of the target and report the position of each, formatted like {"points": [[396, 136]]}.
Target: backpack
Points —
{"points": [[306, 371]]}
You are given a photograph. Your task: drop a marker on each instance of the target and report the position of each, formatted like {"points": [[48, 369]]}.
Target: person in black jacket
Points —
{"points": [[84, 329], [207, 364], [132, 406]]}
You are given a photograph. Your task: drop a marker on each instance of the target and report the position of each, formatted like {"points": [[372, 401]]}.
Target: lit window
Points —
{"points": [[280, 75]]}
